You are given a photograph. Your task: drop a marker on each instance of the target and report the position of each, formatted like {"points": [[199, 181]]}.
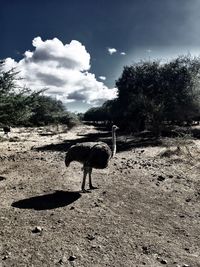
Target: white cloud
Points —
{"points": [[112, 50], [63, 69], [103, 78]]}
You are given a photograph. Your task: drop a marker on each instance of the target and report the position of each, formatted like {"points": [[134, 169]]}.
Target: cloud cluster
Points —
{"points": [[113, 50], [63, 69]]}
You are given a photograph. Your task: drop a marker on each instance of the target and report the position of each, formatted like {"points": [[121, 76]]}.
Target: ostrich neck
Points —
{"points": [[113, 143]]}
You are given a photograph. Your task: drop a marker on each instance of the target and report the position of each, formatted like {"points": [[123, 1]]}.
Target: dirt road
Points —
{"points": [[145, 211]]}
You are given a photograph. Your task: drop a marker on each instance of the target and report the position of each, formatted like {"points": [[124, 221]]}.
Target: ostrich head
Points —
{"points": [[114, 127], [69, 156]]}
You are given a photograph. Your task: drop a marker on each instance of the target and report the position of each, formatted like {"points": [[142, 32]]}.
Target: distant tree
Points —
{"points": [[21, 106], [70, 119], [46, 110], [95, 114], [151, 93], [15, 101], [180, 79], [80, 116], [138, 94]]}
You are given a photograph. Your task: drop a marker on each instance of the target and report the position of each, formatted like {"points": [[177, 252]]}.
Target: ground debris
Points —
{"points": [[72, 258], [37, 229], [161, 178]]}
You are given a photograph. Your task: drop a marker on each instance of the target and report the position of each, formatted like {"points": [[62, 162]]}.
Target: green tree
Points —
{"points": [[22, 106], [138, 93], [150, 93], [46, 110], [15, 101], [97, 114]]}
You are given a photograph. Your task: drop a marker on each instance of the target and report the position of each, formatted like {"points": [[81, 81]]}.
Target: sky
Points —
{"points": [[77, 49]]}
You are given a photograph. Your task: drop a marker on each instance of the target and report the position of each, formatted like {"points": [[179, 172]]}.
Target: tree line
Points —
{"points": [[152, 94], [20, 106]]}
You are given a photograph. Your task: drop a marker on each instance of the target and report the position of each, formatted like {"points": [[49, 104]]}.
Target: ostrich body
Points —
{"points": [[92, 155]]}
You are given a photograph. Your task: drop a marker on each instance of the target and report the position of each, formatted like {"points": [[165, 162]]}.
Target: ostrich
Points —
{"points": [[92, 155]]}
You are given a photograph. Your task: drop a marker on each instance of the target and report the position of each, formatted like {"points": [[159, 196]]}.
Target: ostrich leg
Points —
{"points": [[85, 172], [90, 179]]}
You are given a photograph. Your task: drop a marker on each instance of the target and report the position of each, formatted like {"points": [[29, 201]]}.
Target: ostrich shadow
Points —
{"points": [[49, 201], [66, 144], [123, 143]]}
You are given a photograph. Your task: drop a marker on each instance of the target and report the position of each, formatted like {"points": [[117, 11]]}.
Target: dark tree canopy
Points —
{"points": [[151, 93]]}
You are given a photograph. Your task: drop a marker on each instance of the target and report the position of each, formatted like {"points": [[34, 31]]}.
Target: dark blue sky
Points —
{"points": [[141, 28]]}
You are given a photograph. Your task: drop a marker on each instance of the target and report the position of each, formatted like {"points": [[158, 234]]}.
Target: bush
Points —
{"points": [[70, 119]]}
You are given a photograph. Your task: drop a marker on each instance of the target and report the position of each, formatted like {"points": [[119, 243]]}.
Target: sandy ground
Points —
{"points": [[145, 211]]}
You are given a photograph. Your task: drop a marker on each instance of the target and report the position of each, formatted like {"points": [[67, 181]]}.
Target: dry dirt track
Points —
{"points": [[146, 211]]}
